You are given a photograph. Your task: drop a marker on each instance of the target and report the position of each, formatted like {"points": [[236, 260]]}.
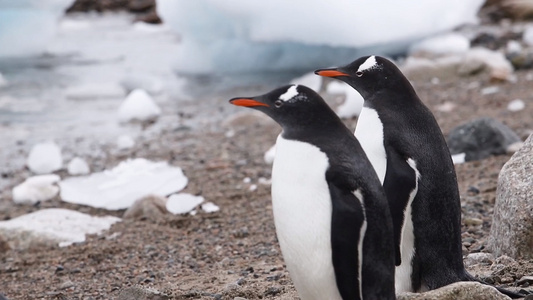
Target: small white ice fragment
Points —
{"points": [[513, 47], [36, 188], [528, 36], [264, 181], [310, 80], [252, 187], [44, 158], [138, 106], [183, 203], [516, 105], [125, 142], [78, 166], [270, 154], [121, 186], [458, 158], [446, 106], [490, 90], [61, 226], [210, 207], [247, 180]]}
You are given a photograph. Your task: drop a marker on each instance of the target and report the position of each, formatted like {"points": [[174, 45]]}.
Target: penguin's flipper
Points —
{"points": [[399, 183], [348, 227]]}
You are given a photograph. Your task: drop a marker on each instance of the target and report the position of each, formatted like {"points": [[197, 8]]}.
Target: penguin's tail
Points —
{"points": [[506, 292]]}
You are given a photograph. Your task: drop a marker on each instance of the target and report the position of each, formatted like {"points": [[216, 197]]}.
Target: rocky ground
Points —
{"points": [[234, 253]]}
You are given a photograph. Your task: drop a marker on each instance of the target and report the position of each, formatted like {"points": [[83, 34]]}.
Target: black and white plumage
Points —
{"points": [[407, 149], [330, 210]]}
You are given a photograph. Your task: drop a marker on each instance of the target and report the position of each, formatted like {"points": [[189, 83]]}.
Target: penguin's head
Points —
{"points": [[368, 74], [291, 106]]}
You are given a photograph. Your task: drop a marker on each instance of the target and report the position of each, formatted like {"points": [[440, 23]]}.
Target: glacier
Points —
{"points": [[224, 37]]}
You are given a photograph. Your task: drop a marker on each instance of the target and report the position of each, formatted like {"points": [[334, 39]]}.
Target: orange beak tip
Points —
{"points": [[330, 73], [247, 102]]}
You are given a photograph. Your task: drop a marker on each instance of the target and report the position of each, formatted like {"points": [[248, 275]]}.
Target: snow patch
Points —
{"points": [[78, 166], [310, 80], [36, 188], [183, 203], [44, 158], [138, 106], [61, 225], [121, 186]]}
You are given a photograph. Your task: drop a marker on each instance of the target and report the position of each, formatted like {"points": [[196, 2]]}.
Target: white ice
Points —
{"points": [[92, 91], [236, 36], [36, 188], [353, 101], [458, 158], [44, 158], [138, 106], [311, 80], [270, 154], [125, 142], [61, 225], [28, 25], [516, 105], [78, 166], [183, 203], [121, 186], [528, 35], [449, 43], [210, 207]]}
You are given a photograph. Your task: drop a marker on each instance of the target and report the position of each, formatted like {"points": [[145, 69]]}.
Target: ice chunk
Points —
{"points": [[239, 36], [210, 207], [459, 158], [78, 166], [45, 158], [528, 36], [353, 102], [450, 43], [310, 80], [513, 47], [270, 155], [183, 203], [34, 20], [138, 106], [121, 186], [36, 188], [516, 105], [62, 226], [125, 142], [92, 91]]}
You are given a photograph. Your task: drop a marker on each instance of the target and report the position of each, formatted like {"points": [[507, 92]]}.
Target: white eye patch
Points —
{"points": [[369, 63], [290, 93]]}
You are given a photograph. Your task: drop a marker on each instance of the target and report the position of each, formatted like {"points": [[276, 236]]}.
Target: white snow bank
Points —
{"points": [[138, 106], [183, 203], [121, 186], [235, 36], [44, 158], [353, 102], [36, 188], [78, 166], [26, 26], [448, 43], [61, 225]]}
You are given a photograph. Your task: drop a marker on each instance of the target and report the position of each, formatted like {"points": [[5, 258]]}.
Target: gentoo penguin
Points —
{"points": [[406, 147], [330, 211]]}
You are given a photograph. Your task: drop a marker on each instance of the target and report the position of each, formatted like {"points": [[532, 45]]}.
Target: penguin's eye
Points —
{"points": [[359, 73], [278, 103]]}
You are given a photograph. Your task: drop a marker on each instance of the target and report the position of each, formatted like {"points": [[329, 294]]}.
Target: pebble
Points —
{"points": [[66, 284], [239, 298], [472, 221], [273, 291]]}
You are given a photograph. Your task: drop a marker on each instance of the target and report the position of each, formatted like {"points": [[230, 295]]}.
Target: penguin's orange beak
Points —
{"points": [[246, 102], [330, 73]]}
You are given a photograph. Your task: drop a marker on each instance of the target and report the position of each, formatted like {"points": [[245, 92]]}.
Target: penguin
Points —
{"points": [[407, 149], [330, 211]]}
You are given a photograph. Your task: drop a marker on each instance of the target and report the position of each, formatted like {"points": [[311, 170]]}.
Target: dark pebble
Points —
{"points": [[272, 291]]}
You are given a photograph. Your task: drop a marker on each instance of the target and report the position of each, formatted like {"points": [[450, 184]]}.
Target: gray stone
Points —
{"points": [[141, 293], [457, 291], [150, 208], [512, 226], [481, 138], [478, 258]]}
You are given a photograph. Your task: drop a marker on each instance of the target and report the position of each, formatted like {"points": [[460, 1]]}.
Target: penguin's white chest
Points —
{"points": [[302, 214], [369, 132]]}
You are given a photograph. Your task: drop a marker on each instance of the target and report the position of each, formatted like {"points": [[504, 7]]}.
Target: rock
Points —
{"points": [[140, 5], [2, 297], [78, 166], [478, 258], [512, 226], [151, 207], [36, 188], [481, 138], [52, 227], [66, 284], [499, 67], [457, 291], [4, 245], [141, 293], [44, 158]]}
